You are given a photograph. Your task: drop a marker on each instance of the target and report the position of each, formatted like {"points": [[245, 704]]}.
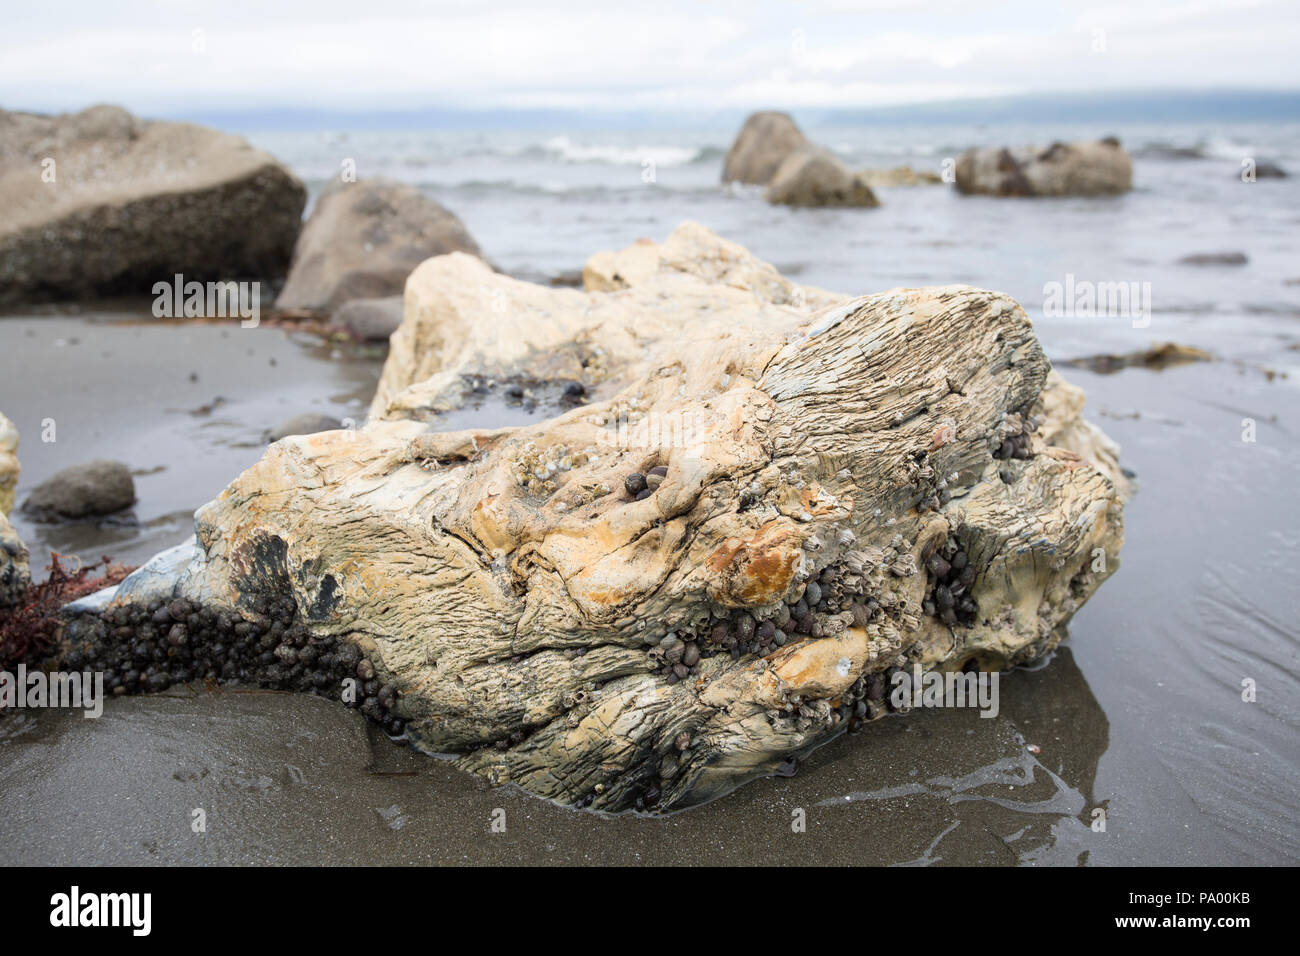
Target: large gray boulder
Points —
{"points": [[102, 203], [815, 177], [363, 239], [764, 143], [1100, 168], [771, 151]]}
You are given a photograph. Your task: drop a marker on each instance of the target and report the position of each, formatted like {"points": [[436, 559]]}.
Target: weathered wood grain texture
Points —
{"points": [[511, 588]]}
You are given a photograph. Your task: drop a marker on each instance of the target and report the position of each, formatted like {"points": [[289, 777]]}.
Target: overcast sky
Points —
{"points": [[179, 56]]}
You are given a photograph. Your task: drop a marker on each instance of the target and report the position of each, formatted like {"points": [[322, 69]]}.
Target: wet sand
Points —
{"points": [[300, 780], [1140, 713]]}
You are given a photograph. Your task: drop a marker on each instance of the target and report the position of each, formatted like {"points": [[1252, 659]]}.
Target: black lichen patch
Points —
{"points": [[327, 599], [263, 565]]}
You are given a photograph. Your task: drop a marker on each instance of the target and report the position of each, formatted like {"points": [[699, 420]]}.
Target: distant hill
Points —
{"points": [[1100, 107]]}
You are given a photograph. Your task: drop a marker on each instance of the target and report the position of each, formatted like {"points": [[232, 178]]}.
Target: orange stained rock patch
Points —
{"points": [[813, 502], [758, 569], [941, 437]]}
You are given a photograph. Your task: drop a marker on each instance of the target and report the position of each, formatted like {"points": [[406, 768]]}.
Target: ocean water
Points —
{"points": [[1147, 712], [539, 203]]}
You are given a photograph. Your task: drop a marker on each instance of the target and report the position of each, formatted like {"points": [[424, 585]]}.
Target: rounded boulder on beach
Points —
{"points": [[98, 487]]}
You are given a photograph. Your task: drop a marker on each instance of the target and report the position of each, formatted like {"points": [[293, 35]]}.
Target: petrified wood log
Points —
{"points": [[605, 615]]}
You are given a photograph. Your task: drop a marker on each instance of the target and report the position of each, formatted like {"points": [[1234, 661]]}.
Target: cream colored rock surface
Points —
{"points": [[611, 271], [464, 321], [1100, 168], [532, 612], [14, 570], [9, 467], [101, 202]]}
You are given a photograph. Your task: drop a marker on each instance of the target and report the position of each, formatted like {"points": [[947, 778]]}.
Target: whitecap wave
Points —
{"points": [[566, 150]]}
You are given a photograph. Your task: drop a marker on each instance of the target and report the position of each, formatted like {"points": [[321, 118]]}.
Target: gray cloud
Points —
{"points": [[670, 54]]}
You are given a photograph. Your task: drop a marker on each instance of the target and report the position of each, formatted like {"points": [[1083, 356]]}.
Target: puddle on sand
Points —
{"points": [[185, 407]]}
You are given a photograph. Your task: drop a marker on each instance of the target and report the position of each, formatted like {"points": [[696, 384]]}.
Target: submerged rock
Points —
{"points": [[701, 573], [363, 239], [1215, 259], [1158, 357], [101, 203], [1100, 168], [98, 487], [1266, 170]]}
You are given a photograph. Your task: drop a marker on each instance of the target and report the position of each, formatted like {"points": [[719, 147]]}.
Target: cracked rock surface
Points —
{"points": [[708, 564]]}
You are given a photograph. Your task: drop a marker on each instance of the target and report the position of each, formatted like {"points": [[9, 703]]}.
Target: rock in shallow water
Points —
{"points": [[502, 581], [761, 146], [815, 177], [771, 151], [1099, 168], [98, 487]]}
